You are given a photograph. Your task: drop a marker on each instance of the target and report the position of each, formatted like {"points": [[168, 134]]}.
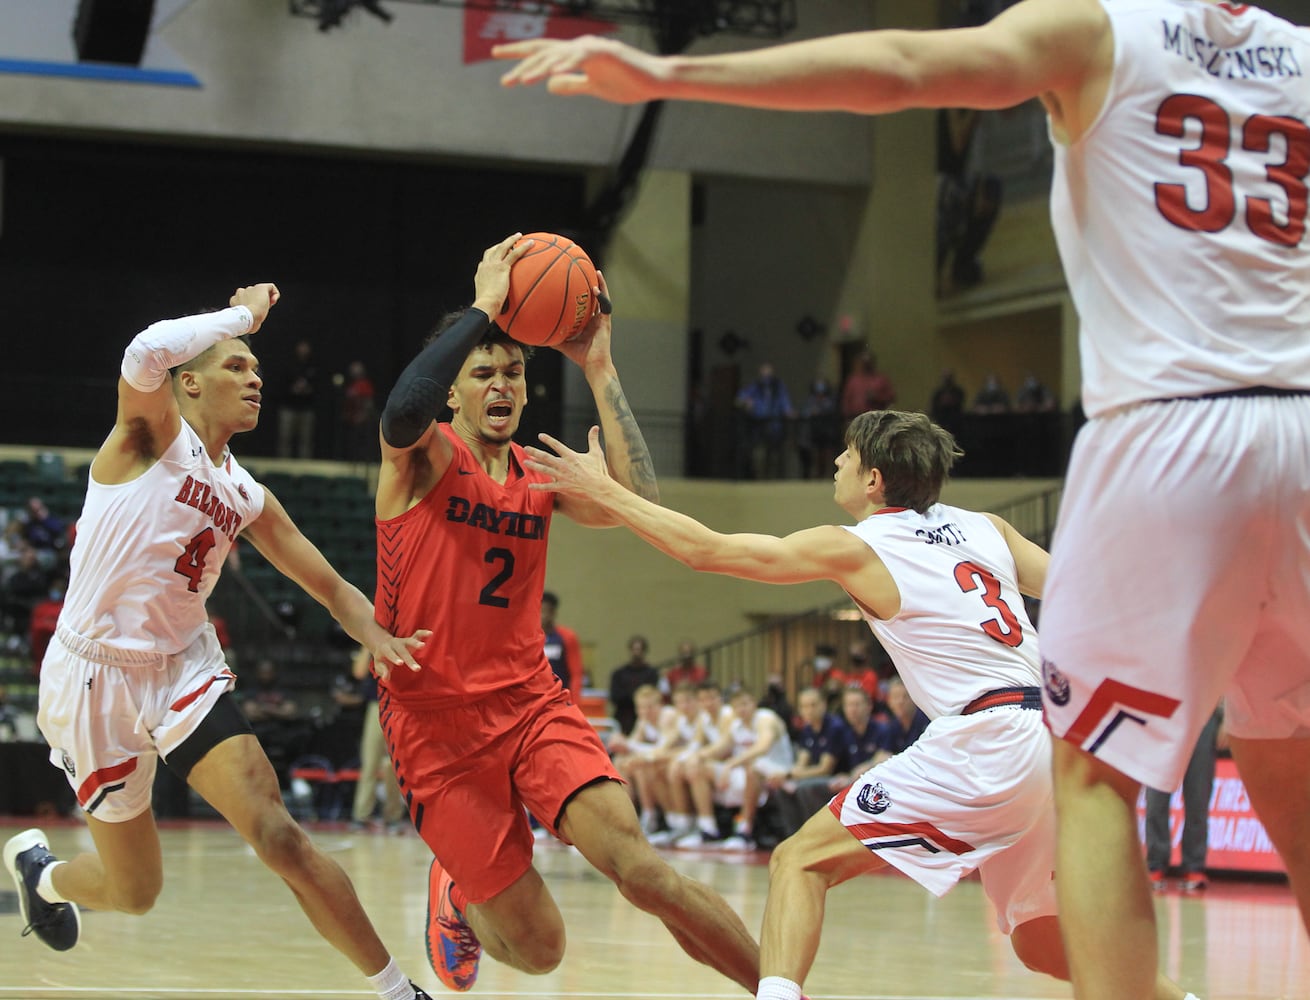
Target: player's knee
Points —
{"points": [[541, 954], [135, 897], [282, 845], [645, 880], [1038, 946], [784, 856]]}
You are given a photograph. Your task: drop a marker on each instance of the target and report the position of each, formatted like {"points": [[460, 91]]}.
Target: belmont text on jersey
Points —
{"points": [[199, 494], [514, 523], [1263, 61]]}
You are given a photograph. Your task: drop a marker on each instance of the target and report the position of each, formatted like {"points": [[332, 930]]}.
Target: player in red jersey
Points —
{"points": [[486, 731]]}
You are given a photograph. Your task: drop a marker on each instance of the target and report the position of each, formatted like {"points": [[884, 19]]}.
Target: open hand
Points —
{"points": [[394, 650], [591, 66], [570, 472]]}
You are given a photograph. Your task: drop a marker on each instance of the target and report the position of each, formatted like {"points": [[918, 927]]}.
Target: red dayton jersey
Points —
{"points": [[468, 562]]}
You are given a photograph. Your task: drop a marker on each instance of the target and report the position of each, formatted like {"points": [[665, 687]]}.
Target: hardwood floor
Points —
{"points": [[225, 927]]}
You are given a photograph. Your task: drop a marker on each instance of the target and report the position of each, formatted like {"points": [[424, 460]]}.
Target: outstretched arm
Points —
{"points": [[1032, 49], [824, 553]]}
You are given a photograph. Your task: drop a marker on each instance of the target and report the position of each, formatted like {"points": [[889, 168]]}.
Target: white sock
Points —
{"points": [[680, 822], [707, 826], [392, 984], [743, 828], [45, 887], [1191, 996], [777, 988], [647, 817]]}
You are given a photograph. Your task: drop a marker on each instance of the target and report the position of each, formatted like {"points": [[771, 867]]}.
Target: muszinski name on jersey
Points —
{"points": [[1252, 62], [514, 523], [199, 494]]}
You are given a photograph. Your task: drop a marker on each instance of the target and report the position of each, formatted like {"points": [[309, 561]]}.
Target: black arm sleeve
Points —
{"points": [[421, 390]]}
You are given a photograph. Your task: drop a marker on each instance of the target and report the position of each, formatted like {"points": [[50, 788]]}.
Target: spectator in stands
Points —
{"points": [[359, 415], [374, 764], [818, 435], [625, 680], [563, 650], [268, 701], [775, 700], [11, 542], [44, 532], [767, 408], [828, 677], [44, 619], [991, 398], [862, 738], [25, 587], [8, 718], [865, 388], [295, 417], [1033, 396], [946, 406], [819, 744], [275, 719], [903, 723], [1198, 782], [686, 671], [861, 671]]}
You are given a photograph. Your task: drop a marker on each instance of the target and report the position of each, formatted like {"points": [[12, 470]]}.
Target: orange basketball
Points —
{"points": [[550, 299]]}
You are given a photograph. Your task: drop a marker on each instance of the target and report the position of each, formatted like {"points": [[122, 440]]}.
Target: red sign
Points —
{"points": [[532, 19], [1238, 841]]}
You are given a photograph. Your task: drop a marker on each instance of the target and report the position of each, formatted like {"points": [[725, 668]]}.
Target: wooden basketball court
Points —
{"points": [[225, 927]]}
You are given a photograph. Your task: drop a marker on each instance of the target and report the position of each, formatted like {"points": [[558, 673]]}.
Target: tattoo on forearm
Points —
{"points": [[639, 472]]}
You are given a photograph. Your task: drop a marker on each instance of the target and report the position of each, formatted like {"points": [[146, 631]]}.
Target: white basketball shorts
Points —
{"points": [[1180, 575], [973, 792], [109, 713]]}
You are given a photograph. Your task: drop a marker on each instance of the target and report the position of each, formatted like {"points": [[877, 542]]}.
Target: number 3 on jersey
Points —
{"points": [[1284, 139], [970, 576], [191, 563]]}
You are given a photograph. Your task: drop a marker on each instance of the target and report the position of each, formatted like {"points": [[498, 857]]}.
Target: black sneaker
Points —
{"points": [[57, 924], [418, 992]]}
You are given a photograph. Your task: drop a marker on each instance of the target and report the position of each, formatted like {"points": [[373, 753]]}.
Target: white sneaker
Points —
{"points": [[737, 842], [663, 838], [693, 839]]}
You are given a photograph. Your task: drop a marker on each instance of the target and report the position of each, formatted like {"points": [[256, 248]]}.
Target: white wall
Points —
{"points": [[402, 87]]}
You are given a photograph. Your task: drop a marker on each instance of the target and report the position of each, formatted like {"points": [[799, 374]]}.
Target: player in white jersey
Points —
{"points": [[761, 755], [135, 672], [634, 754], [941, 587], [1180, 570]]}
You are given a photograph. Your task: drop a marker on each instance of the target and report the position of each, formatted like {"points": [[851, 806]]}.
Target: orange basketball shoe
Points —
{"points": [[453, 948]]}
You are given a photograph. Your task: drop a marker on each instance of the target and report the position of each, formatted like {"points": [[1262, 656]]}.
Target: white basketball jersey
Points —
{"points": [[962, 629], [1180, 214], [744, 737], [148, 552]]}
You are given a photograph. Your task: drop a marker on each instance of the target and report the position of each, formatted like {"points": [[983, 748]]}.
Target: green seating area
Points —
{"points": [[336, 514]]}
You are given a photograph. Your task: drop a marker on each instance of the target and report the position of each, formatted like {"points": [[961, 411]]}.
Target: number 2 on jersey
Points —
{"points": [[191, 563], [970, 576], [488, 594]]}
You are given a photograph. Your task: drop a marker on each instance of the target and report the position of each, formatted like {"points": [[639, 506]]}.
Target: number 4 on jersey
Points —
{"points": [[191, 563]]}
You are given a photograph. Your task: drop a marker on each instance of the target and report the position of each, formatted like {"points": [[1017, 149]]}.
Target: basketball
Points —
{"points": [[550, 299]]}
